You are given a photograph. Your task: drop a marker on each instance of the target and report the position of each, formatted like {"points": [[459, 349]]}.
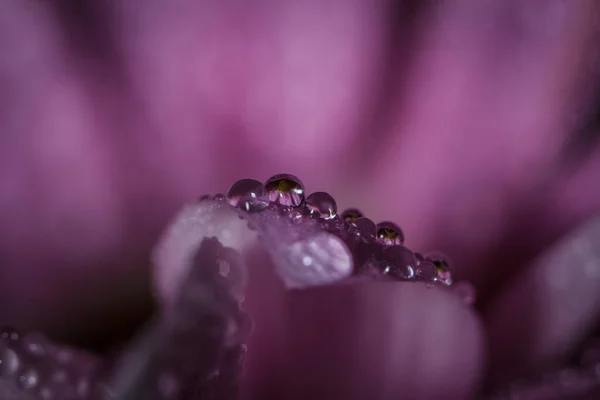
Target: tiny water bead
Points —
{"points": [[389, 234], [443, 267], [351, 214], [285, 189], [248, 194], [322, 204]]}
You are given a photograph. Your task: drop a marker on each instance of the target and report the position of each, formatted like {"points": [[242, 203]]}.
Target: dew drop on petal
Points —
{"points": [[365, 226], [219, 197], [351, 214], [285, 189], [28, 378], [426, 271], [398, 262], [248, 194], [205, 197], [444, 269], [389, 234], [9, 361], [322, 204], [465, 291]]}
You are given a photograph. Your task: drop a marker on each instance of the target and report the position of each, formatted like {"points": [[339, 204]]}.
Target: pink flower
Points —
{"points": [[451, 119]]}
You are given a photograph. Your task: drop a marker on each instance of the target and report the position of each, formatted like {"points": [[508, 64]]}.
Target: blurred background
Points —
{"points": [[471, 124]]}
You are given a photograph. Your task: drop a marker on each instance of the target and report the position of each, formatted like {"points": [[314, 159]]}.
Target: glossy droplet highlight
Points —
{"points": [[365, 226], [389, 234], [399, 262], [443, 267], [9, 362], [322, 204], [285, 189], [219, 197], [248, 194], [352, 214], [28, 379]]}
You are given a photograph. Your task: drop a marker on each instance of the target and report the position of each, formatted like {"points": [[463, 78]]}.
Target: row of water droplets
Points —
{"points": [[286, 193], [43, 370]]}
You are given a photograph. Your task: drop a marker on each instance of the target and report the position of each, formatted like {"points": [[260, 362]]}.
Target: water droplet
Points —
{"points": [[205, 197], [465, 291], [351, 214], [444, 269], [389, 234], [365, 226], [35, 344], [426, 271], [9, 334], [285, 189], [9, 362], [322, 204], [28, 378], [248, 194], [219, 197], [399, 262]]}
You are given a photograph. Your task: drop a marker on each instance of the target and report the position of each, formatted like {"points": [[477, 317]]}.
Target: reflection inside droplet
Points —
{"points": [[322, 204], [285, 189]]}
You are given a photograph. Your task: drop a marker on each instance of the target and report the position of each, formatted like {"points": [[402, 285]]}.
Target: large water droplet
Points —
{"points": [[248, 194], [426, 271], [285, 189], [443, 267], [9, 361], [389, 234], [365, 226], [351, 214], [322, 204], [28, 378], [399, 262]]}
